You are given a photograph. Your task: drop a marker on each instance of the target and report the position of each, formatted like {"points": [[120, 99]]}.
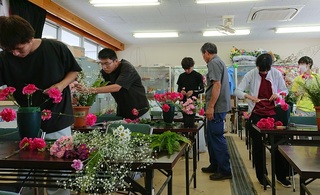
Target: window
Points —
{"points": [[50, 31], [53, 31], [90, 49], [70, 38]]}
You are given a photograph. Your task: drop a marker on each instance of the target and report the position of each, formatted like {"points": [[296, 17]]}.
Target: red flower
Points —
{"points": [[201, 112], [165, 107], [91, 119], [55, 94], [285, 107], [278, 123], [135, 112], [6, 92], [46, 114], [29, 89], [39, 144], [8, 114], [26, 143]]}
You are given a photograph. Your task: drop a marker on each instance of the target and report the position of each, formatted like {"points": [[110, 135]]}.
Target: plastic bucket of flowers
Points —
{"points": [[29, 122]]}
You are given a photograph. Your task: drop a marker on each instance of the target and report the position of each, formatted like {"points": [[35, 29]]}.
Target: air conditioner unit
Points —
{"points": [[276, 13]]}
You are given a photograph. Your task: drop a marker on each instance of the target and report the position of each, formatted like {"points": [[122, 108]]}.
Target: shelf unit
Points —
{"points": [[155, 79]]}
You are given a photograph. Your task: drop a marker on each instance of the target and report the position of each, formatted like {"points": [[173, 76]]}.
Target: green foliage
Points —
{"points": [[313, 90], [291, 98], [168, 141], [87, 99]]}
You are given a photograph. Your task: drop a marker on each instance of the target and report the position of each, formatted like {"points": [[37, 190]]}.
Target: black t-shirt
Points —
{"points": [[46, 66], [132, 93], [192, 81]]}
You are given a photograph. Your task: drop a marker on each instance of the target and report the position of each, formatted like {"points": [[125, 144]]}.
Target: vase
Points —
{"points": [[29, 122], [168, 116], [188, 120], [283, 115], [80, 113], [317, 108]]}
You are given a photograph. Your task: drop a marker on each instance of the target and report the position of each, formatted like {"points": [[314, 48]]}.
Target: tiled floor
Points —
{"points": [[207, 187]]}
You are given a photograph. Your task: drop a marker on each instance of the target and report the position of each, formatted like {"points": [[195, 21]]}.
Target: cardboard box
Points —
{"points": [[77, 51]]}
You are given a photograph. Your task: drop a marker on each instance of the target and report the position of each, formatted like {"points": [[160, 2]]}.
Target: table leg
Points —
{"points": [[264, 164], [273, 165], [149, 182], [195, 151], [170, 182], [186, 155]]}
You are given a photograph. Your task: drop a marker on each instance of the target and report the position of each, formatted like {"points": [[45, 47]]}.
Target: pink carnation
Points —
{"points": [[165, 107], [26, 143], [201, 112], [29, 89], [278, 123], [91, 119], [46, 114], [8, 114], [55, 94], [77, 164], [135, 112], [284, 107], [39, 144]]}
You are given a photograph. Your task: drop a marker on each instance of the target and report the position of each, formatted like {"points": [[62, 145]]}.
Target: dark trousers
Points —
{"points": [[217, 144], [281, 165]]}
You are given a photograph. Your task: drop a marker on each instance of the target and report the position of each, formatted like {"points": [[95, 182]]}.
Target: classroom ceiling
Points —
{"points": [[191, 19]]}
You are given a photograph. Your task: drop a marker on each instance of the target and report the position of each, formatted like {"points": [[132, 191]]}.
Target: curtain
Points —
{"points": [[35, 15]]}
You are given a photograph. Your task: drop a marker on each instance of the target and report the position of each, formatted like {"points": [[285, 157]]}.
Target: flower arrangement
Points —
{"points": [[9, 114], [237, 52], [84, 97], [312, 88], [268, 123], [192, 105], [102, 160], [167, 98]]}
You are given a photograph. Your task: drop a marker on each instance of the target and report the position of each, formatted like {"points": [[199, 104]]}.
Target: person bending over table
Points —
{"points": [[264, 84], [125, 85], [46, 63]]}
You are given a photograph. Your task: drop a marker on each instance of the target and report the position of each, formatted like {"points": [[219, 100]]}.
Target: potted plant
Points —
{"points": [[168, 141], [189, 109], [29, 115], [167, 102], [312, 89], [82, 101]]}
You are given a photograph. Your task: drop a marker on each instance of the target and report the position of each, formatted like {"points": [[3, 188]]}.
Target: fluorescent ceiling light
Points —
{"points": [[156, 35], [220, 1], [219, 33], [298, 29], [104, 3]]}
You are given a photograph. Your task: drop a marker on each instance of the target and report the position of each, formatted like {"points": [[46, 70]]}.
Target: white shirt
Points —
{"points": [[251, 81]]}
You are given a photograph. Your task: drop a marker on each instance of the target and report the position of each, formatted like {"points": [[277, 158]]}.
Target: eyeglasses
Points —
{"points": [[105, 63]]}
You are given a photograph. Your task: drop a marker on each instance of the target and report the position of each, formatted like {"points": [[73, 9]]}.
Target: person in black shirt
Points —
{"points": [[190, 83], [46, 64], [125, 85]]}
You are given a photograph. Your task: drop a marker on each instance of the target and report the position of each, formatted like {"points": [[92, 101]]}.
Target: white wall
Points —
{"points": [[172, 54]]}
